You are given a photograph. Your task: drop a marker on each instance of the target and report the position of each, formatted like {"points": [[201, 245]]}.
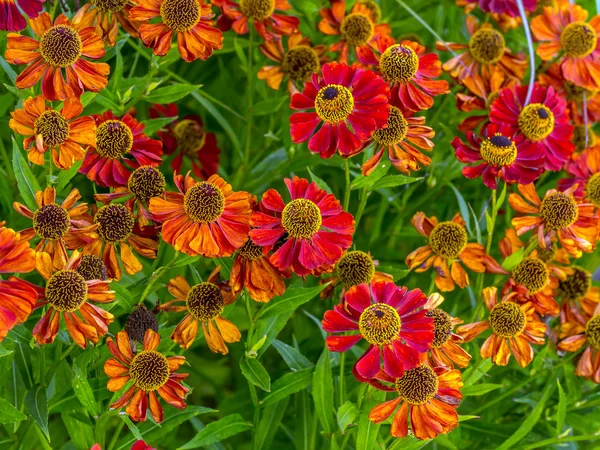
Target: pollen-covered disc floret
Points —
{"points": [[66, 290], [205, 301], [442, 326], [487, 46], [355, 268], [397, 127], [140, 321], [301, 218], [259, 9], [61, 46], [578, 39], [92, 268], [146, 182], [180, 15], [110, 5], [398, 63], [115, 222], [559, 210], [507, 319], [334, 103], [300, 62], [204, 202], [357, 29], [498, 150], [577, 284], [592, 189], [379, 324], [149, 370], [417, 386], [190, 136], [51, 222], [536, 121], [592, 332], [113, 139], [53, 128], [250, 250], [448, 239], [531, 273]]}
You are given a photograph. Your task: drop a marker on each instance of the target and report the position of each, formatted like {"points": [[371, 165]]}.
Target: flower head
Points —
{"points": [[106, 16], [140, 321], [584, 170]]}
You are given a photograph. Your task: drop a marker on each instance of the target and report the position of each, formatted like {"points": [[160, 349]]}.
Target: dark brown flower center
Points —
{"points": [[53, 128], [140, 321], [204, 202], [577, 284], [487, 46], [301, 218], [190, 136], [205, 301], [559, 211], [448, 239], [66, 291], [92, 268], [110, 5], [146, 182], [51, 222], [355, 268], [399, 63], [507, 319], [259, 9], [531, 273], [357, 29], [300, 62], [180, 15], [442, 324], [250, 250], [395, 132], [61, 46], [149, 370], [417, 386], [114, 139], [115, 222]]}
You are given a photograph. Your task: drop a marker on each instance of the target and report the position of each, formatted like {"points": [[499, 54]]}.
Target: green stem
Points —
{"points": [[342, 383], [249, 105], [347, 192], [116, 434], [250, 320], [493, 222], [361, 207], [52, 370], [156, 275]]}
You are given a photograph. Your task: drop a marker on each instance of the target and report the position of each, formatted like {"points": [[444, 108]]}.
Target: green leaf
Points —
{"points": [[83, 391], [346, 415], [322, 391], [291, 300], [268, 106], [287, 385], [65, 176], [5, 352], [12, 75], [480, 389], [512, 260], [36, 405], [170, 94], [10, 414], [269, 424], [132, 427], [124, 297], [367, 430], [464, 418], [217, 431], [87, 98], [26, 182], [154, 125], [255, 372], [561, 412], [393, 181], [319, 181], [500, 199], [464, 209], [361, 182], [292, 357]]}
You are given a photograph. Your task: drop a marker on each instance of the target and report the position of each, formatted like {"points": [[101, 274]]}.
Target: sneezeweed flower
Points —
{"points": [[269, 24], [140, 321], [403, 136], [428, 395], [69, 295], [448, 247], [508, 7], [189, 140], [576, 291], [408, 70], [344, 95], [584, 169], [563, 29], [357, 30], [92, 268], [106, 16], [514, 328], [204, 304], [17, 297], [559, 214], [204, 218], [315, 228], [485, 51], [62, 132], [391, 319], [60, 48], [495, 155], [120, 145], [149, 372], [544, 121], [190, 20], [12, 13]]}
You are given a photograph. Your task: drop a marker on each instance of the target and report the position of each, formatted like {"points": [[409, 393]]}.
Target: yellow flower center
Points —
{"points": [[61, 46], [180, 15], [507, 319], [448, 239], [357, 29], [205, 301], [259, 9], [442, 324], [578, 39], [417, 386], [190, 136], [397, 127], [498, 150], [559, 211], [531, 273], [146, 182], [592, 189], [334, 103], [109, 5], [66, 291], [379, 324], [536, 121], [149, 370], [204, 202], [250, 250], [300, 62], [53, 127], [355, 268], [301, 218], [115, 222], [577, 284], [140, 321], [398, 63], [92, 268], [487, 46], [51, 222], [113, 139], [592, 332]]}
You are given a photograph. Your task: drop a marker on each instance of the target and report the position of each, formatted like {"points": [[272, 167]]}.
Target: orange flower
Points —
{"points": [[558, 214], [190, 20], [68, 293], [105, 16], [61, 46], [563, 28], [46, 129], [576, 293], [448, 247], [17, 297], [204, 218], [514, 328], [55, 224], [584, 169], [204, 303], [149, 372], [485, 50]]}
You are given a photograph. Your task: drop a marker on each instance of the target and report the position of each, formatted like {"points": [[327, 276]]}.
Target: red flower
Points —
{"points": [[11, 13], [391, 319], [314, 227], [504, 6], [343, 96]]}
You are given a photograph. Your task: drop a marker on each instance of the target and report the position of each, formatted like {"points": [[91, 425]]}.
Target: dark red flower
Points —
{"points": [[11, 13], [504, 6]]}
